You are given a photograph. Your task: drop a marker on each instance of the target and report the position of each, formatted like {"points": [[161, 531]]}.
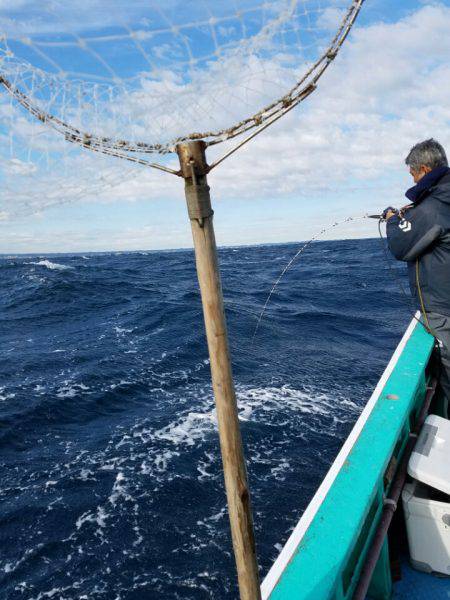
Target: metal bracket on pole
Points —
{"points": [[194, 169], [198, 198]]}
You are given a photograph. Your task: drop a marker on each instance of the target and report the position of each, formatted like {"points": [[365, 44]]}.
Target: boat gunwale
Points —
{"points": [[282, 561]]}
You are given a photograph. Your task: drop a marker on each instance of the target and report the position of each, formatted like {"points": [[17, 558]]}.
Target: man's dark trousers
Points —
{"points": [[440, 325]]}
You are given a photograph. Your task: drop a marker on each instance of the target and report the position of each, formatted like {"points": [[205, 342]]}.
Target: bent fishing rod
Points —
{"points": [[380, 218]]}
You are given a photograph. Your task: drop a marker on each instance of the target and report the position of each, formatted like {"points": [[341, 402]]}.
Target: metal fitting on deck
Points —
{"points": [[391, 503]]}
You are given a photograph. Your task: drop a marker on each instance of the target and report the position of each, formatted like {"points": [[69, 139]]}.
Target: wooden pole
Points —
{"points": [[194, 169]]}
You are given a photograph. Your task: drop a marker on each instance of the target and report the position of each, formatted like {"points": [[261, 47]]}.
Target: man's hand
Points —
{"points": [[388, 213]]}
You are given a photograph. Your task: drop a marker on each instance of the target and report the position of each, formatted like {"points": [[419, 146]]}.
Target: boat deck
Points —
{"points": [[415, 585]]}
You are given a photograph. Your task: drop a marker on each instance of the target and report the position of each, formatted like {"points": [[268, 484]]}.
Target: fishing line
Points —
{"points": [[407, 297], [296, 255], [409, 300]]}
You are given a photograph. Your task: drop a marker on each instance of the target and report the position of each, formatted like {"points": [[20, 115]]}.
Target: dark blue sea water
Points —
{"points": [[111, 483]]}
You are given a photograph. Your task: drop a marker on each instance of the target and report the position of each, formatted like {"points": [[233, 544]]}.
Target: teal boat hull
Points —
{"points": [[325, 553]]}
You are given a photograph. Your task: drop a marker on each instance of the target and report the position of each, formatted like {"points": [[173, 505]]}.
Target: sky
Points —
{"points": [[339, 154]]}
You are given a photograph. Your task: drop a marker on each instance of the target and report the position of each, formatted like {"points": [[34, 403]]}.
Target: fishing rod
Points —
{"points": [[297, 254], [380, 218]]}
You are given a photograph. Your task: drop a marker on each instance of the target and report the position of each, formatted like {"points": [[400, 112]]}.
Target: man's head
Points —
{"points": [[424, 157]]}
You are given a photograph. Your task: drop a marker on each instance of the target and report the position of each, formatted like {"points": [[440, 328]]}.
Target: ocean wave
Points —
{"points": [[109, 444], [5, 395], [50, 265]]}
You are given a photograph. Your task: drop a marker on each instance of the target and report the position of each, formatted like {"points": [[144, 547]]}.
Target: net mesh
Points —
{"points": [[134, 80]]}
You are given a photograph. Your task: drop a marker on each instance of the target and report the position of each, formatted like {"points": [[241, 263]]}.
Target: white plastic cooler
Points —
{"points": [[426, 501]]}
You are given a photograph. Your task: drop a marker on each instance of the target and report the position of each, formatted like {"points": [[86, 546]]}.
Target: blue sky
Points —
{"points": [[339, 154]]}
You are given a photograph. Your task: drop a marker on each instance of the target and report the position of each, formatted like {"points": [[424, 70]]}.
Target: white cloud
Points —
{"points": [[184, 78], [73, 240], [331, 17], [385, 92], [19, 167]]}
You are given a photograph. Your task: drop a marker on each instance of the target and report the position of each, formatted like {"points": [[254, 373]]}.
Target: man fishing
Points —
{"points": [[419, 233]]}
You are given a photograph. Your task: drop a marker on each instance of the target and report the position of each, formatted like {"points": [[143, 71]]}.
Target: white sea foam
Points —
{"points": [[278, 472], [163, 459], [265, 404], [86, 475], [142, 457], [113, 386], [280, 406], [158, 330], [203, 465], [120, 330], [281, 399], [5, 395], [67, 392], [34, 278], [70, 390], [98, 517], [50, 265], [278, 547], [119, 490], [139, 537], [10, 567], [210, 523], [188, 428]]}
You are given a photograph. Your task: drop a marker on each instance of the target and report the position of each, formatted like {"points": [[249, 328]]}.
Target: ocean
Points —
{"points": [[111, 481]]}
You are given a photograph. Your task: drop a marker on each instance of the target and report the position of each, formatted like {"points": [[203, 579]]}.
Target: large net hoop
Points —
{"points": [[58, 96]]}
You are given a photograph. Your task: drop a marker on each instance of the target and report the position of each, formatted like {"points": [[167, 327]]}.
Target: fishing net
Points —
{"points": [[134, 79]]}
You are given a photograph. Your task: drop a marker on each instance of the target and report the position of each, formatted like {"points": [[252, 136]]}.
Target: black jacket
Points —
{"points": [[424, 234]]}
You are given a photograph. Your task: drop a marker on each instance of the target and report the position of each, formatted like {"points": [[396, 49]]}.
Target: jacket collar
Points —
{"points": [[417, 192]]}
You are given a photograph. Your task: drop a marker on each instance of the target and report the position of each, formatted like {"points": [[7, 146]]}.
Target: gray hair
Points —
{"points": [[429, 153]]}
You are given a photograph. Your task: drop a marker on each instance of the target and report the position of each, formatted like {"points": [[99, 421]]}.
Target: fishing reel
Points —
{"points": [[383, 215]]}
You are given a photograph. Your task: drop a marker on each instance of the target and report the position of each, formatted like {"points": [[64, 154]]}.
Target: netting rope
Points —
{"points": [[14, 70]]}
